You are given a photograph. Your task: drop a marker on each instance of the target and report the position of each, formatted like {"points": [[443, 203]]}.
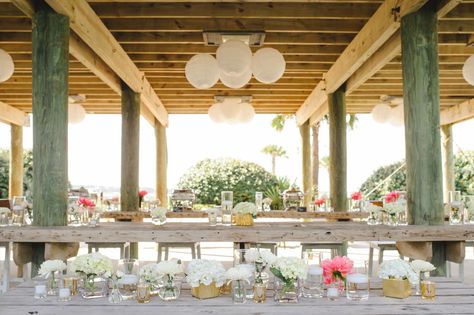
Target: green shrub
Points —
{"points": [[209, 177], [27, 173]]}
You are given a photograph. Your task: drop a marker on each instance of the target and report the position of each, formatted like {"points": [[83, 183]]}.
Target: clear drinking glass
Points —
{"points": [[357, 286], [227, 203], [469, 209], [313, 284], [212, 216], [456, 207], [259, 200], [18, 210]]}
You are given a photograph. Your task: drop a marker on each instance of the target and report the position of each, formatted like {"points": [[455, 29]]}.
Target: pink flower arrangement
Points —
{"points": [[142, 193], [320, 201], [85, 202], [392, 196], [336, 269], [357, 196]]}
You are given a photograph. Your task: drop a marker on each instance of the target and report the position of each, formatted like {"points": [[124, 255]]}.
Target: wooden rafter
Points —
{"points": [[458, 113], [12, 115], [92, 31]]}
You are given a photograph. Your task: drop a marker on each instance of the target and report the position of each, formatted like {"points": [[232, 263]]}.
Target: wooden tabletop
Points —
{"points": [[259, 232], [452, 298]]}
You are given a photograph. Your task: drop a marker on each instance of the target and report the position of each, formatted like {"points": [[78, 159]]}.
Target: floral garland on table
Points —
{"points": [[336, 269], [245, 208], [398, 269], [288, 270], [261, 260], [201, 271]]}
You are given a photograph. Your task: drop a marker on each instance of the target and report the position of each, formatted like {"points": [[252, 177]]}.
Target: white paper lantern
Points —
{"points": [[235, 82], [246, 114], [381, 113], [468, 70], [234, 57], [7, 67], [396, 117], [215, 113], [230, 110], [202, 71], [76, 113], [268, 65]]}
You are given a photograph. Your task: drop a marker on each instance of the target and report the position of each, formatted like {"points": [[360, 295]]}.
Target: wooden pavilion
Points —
{"points": [[128, 57]]}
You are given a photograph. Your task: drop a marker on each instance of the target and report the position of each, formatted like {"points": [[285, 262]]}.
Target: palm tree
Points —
{"points": [[275, 151]]}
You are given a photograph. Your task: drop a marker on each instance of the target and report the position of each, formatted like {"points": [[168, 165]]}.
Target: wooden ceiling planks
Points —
{"points": [[160, 36]]}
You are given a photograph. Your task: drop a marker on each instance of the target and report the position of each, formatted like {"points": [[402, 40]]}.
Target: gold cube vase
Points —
{"points": [[396, 288], [205, 291], [243, 219]]}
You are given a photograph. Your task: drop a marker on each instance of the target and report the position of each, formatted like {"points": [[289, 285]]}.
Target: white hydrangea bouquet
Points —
{"points": [[201, 271], [158, 215], [169, 270], [48, 269], [398, 269], [92, 265], [421, 266], [238, 274], [245, 208], [261, 260], [149, 273], [288, 270], [374, 213]]}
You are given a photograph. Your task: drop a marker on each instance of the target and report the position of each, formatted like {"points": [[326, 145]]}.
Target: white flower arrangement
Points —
{"points": [[419, 266], [169, 268], [290, 268], [266, 257], [394, 208], [373, 208], [92, 264], [398, 269], [238, 273], [149, 273], [158, 212], [245, 208], [115, 276], [5, 211], [201, 271], [50, 266]]}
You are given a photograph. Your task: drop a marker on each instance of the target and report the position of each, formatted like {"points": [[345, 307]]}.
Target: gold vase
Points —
{"points": [[243, 219], [396, 288], [259, 292], [205, 291]]}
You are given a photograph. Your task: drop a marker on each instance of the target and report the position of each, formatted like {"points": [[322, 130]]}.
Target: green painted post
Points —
{"points": [[419, 34], [50, 38]]}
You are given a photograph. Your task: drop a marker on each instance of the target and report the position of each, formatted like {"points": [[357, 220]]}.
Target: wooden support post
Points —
{"points": [[448, 160], [422, 137], [50, 38], [306, 162], [161, 163], [15, 187], [130, 154], [337, 150], [315, 157]]}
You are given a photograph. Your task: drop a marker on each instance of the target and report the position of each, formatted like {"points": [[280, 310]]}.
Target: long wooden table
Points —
{"points": [[452, 298], [259, 232]]}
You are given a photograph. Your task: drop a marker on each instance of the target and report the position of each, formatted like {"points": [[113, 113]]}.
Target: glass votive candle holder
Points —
{"points": [[71, 283], [143, 293], [64, 295], [212, 216], [313, 284], [127, 286], [128, 266], [428, 290], [358, 287], [40, 291], [332, 293]]}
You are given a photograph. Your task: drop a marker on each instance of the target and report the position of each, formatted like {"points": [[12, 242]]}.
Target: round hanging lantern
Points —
{"points": [[236, 82], [381, 113], [468, 70], [268, 65], [234, 57], [230, 109], [76, 113], [396, 117], [247, 112], [7, 67], [215, 113], [202, 71]]}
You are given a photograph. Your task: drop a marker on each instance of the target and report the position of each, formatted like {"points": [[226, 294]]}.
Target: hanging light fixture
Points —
{"points": [[236, 82], [76, 113], [202, 71], [232, 110], [381, 113], [234, 58], [468, 70], [268, 65], [7, 67], [396, 116]]}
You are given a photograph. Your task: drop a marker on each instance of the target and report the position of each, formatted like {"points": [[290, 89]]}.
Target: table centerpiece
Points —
{"points": [[244, 213], [49, 270], [205, 278], [92, 268], [397, 275], [288, 272]]}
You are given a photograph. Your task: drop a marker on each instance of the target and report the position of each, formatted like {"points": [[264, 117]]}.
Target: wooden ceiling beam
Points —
{"points": [[94, 33], [12, 115], [458, 113]]}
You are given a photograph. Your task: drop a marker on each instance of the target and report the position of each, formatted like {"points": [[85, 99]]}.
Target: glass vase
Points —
{"points": [[239, 295], [421, 277], [288, 291], [143, 293], [114, 295], [158, 220], [93, 287], [391, 219], [259, 292], [53, 284], [4, 219], [170, 290], [469, 209], [456, 211], [375, 218]]}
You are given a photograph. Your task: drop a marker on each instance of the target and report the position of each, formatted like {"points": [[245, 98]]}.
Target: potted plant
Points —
{"points": [[397, 275], [205, 278]]}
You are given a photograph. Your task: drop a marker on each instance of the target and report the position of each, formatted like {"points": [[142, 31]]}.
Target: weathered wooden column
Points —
{"points": [[419, 34], [448, 160], [306, 162], [50, 38], [130, 154], [315, 157], [337, 150], [161, 163], [15, 187]]}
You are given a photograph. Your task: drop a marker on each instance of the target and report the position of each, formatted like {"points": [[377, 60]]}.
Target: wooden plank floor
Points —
{"points": [[452, 298], [259, 232]]}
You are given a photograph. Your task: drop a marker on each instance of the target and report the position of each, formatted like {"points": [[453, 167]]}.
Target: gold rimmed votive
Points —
{"points": [[143, 293], [71, 283], [428, 290]]}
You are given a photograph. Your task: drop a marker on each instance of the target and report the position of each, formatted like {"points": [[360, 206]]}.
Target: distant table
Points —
{"points": [[452, 298]]}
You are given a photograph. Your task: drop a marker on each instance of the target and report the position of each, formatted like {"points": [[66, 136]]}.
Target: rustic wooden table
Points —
{"points": [[259, 232], [452, 298]]}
